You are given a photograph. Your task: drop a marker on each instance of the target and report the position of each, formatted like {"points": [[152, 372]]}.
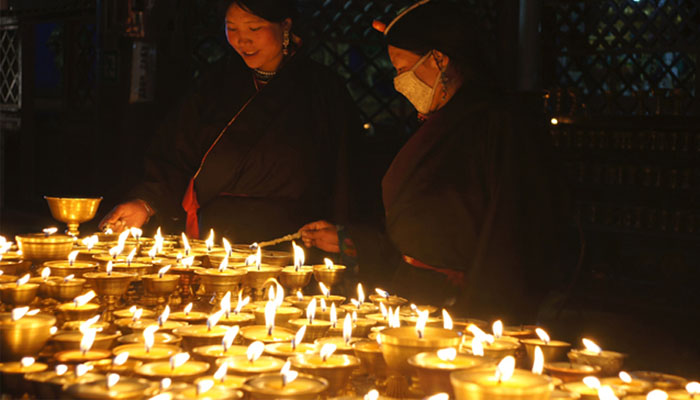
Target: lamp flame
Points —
{"points": [[137, 314], [311, 310], [82, 369], [538, 363], [45, 273], [61, 369], [72, 256], [328, 262], [53, 330], [591, 346], [210, 240], [372, 395], [163, 271], [116, 251], [592, 382], [693, 388], [220, 374], [505, 369], [178, 360], [229, 336], [186, 244], [188, 261], [606, 393], [270, 311], [347, 328], [49, 231], [187, 309], [497, 329], [354, 316], [153, 251], [121, 358], [227, 247], [241, 303], [204, 386], [67, 278], [420, 322], [136, 233], [27, 362], [326, 292], [87, 340], [299, 257], [477, 347], [112, 380], [33, 312], [360, 294], [213, 319], [382, 309], [90, 241], [108, 268], [448, 354], [279, 294], [657, 394], [149, 337], [447, 320], [224, 264], [163, 317], [542, 334], [258, 258], [121, 241], [131, 256], [298, 337], [323, 304], [255, 350], [84, 298], [625, 377], [23, 280], [327, 350], [165, 383], [395, 319], [287, 374], [333, 316], [87, 324], [300, 295], [225, 303], [439, 396]]}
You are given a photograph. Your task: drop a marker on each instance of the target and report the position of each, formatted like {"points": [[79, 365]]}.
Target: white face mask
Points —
{"points": [[419, 93]]}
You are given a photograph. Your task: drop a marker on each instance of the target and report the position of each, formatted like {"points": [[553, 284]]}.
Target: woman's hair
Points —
{"points": [[447, 27], [271, 10]]}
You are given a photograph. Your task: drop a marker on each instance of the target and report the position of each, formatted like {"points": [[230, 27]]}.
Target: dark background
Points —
{"points": [[620, 76]]}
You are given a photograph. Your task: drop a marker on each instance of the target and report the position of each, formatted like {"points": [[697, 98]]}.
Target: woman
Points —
{"points": [[471, 213], [256, 149]]}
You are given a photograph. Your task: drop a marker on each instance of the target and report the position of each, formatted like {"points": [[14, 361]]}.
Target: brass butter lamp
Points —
{"points": [[73, 211]]}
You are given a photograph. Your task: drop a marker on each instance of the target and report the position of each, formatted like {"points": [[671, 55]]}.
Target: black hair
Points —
{"points": [[449, 28], [270, 10]]}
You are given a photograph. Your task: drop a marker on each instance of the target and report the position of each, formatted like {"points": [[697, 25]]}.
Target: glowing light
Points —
{"points": [[67, 278], [505, 369], [49, 231], [591, 346], [394, 318], [149, 337], [224, 264], [447, 320], [137, 314], [61, 369], [241, 303], [270, 312], [383, 310], [186, 245], [477, 347], [625, 377], [542, 334], [255, 350], [229, 336], [84, 298], [53, 330], [178, 360], [554, 121], [592, 382], [210, 241], [163, 317], [299, 256], [693, 388], [112, 380], [333, 316], [27, 361], [326, 292], [131, 256], [87, 324], [72, 256], [372, 395], [225, 303], [188, 261], [448, 354], [287, 374], [82, 369], [298, 337], [657, 394], [87, 340], [311, 310], [347, 328], [121, 241], [165, 383], [121, 358], [163, 271], [439, 396], [538, 363], [420, 322], [153, 251], [323, 304], [360, 294], [327, 350], [227, 247], [497, 329], [23, 280], [328, 262], [213, 319], [108, 268], [606, 393], [204, 386], [187, 309]]}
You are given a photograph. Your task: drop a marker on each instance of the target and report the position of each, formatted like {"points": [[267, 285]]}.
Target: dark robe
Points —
{"points": [[278, 166], [472, 192]]}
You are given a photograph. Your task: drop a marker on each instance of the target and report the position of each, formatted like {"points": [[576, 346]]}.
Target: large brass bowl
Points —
{"points": [[24, 337], [39, 247], [113, 285], [15, 267], [399, 344], [18, 295], [73, 211]]}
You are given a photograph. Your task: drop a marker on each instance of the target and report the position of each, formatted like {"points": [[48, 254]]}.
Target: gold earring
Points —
{"points": [[285, 43]]}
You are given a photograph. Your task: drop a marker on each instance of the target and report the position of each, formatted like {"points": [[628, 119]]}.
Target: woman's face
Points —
{"points": [[258, 41]]}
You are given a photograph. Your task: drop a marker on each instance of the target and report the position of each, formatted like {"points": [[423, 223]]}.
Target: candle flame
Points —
{"points": [[87, 324], [82, 369], [299, 336], [258, 258], [420, 322], [299, 257], [213, 319], [625, 377], [355, 303], [188, 261], [84, 298], [49, 231], [289, 377], [505, 369], [447, 320], [326, 292], [592, 382], [227, 247], [67, 278], [395, 319], [136, 233], [112, 380], [328, 262], [439, 396], [224, 264], [178, 360], [116, 251], [153, 251], [497, 329], [538, 363], [45, 273], [323, 304], [241, 303], [333, 316], [225, 303], [606, 393], [137, 314], [448, 354], [372, 395], [87, 340], [693, 388], [149, 337], [163, 271], [61, 369], [657, 394], [279, 294], [327, 350], [311, 310], [33, 312], [360, 294], [72, 256], [187, 309], [121, 358], [382, 309], [90, 241], [121, 241], [270, 311], [220, 374], [255, 350], [163, 317], [542, 334], [108, 268], [300, 295], [23, 280], [165, 383], [186, 244], [27, 361], [53, 330], [591, 346], [131, 256], [229, 337], [347, 328], [210, 240], [354, 316], [477, 347]]}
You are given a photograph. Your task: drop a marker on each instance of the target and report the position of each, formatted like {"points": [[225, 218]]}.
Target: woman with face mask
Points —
{"points": [[256, 148], [472, 214]]}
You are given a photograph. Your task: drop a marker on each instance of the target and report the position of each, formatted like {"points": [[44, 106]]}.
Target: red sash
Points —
{"points": [[453, 276]]}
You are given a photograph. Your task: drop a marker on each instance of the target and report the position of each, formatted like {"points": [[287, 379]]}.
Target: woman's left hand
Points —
{"points": [[321, 234]]}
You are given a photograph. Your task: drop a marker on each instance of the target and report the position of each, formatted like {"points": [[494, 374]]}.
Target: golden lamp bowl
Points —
{"points": [[553, 351], [159, 338], [282, 316], [570, 372], [277, 258], [187, 372], [137, 269], [70, 340], [160, 286], [371, 357], [660, 380], [336, 370], [63, 268], [65, 291], [128, 388], [295, 280], [434, 374], [194, 336], [329, 276], [18, 296], [610, 362], [468, 385], [256, 278], [24, 337], [214, 281], [227, 390], [109, 285], [39, 247], [75, 325], [264, 387], [12, 380], [106, 366], [400, 344], [81, 313], [8, 279], [17, 268], [213, 352], [316, 330], [391, 301], [73, 211]]}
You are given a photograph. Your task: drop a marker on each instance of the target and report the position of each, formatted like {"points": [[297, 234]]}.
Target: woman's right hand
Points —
{"points": [[321, 234], [133, 213]]}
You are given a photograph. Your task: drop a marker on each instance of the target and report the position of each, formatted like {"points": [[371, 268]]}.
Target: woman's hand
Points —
{"points": [[133, 213], [321, 234]]}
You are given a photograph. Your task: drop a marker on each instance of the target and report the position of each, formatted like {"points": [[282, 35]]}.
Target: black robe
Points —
{"points": [[278, 166], [472, 191]]}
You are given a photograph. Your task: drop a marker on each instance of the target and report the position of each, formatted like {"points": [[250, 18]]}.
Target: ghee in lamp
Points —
{"points": [[434, 368], [335, 368], [570, 372], [274, 386], [610, 362], [501, 382], [554, 350], [252, 363], [627, 384], [157, 352], [177, 368], [262, 333]]}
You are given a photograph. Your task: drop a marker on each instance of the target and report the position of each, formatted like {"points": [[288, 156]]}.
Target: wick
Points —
{"points": [[294, 344], [323, 358], [420, 334], [269, 331]]}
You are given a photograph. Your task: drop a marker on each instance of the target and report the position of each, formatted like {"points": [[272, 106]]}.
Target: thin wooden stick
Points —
{"points": [[285, 238]]}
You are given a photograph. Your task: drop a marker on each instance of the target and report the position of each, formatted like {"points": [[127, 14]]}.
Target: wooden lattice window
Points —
{"points": [[10, 66]]}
